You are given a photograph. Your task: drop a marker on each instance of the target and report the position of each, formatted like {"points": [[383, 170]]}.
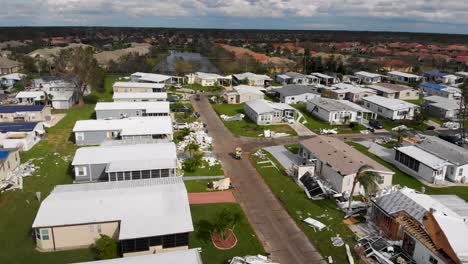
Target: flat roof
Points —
{"points": [[248, 89], [188, 256], [367, 74], [20, 108], [164, 153], [128, 126], [443, 102], [389, 103], [403, 74], [145, 208], [321, 75], [340, 156], [337, 105], [249, 75], [389, 87], [17, 126], [150, 107], [151, 77], [138, 85], [261, 106], [423, 156], [31, 94], [157, 96], [451, 152], [295, 89]]}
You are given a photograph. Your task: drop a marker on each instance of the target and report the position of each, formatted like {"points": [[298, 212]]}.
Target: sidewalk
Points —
{"points": [[211, 197]]}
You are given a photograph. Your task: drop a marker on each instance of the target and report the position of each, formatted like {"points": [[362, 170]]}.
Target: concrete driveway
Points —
{"points": [[285, 157], [274, 227]]}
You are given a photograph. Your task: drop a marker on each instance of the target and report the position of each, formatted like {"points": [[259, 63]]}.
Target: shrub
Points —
{"points": [[106, 247]]}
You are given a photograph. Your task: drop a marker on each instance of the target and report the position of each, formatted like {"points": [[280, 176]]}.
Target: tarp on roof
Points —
{"points": [[21, 108], [433, 85]]}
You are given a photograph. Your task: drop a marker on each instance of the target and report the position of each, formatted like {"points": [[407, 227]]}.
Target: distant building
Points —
{"points": [[337, 112], [367, 77], [252, 79], [393, 109], [430, 89], [9, 161], [21, 135], [139, 87], [8, 81], [145, 217], [30, 97], [337, 163], [293, 93], [125, 162], [95, 132], [118, 110], [441, 77], [264, 112], [25, 113], [403, 77], [209, 79], [325, 79], [295, 78], [154, 78], [243, 93], [441, 107], [8, 66], [139, 97], [395, 91]]}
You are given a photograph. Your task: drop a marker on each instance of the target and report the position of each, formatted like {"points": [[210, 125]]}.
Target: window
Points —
{"points": [[45, 234], [368, 105], [38, 234], [379, 110], [277, 114], [99, 229], [79, 136], [460, 172], [80, 171], [452, 170], [432, 260]]}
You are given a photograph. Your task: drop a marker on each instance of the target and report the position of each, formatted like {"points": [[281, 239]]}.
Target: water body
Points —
{"points": [[199, 62]]}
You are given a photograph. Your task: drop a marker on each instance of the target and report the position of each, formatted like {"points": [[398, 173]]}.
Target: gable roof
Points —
{"points": [[439, 147], [341, 157], [150, 107], [128, 126], [261, 106], [138, 85], [20, 108], [442, 102], [145, 208]]}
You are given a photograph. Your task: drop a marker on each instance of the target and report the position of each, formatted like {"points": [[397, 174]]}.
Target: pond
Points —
{"points": [[198, 61]]}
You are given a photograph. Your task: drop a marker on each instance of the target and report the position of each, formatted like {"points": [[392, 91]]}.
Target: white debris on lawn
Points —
{"points": [[260, 154], [211, 161], [259, 259], [222, 184], [337, 241], [15, 179], [237, 117], [200, 138], [273, 134], [451, 125], [195, 126], [324, 131]]}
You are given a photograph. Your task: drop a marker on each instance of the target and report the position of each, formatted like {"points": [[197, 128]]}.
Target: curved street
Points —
{"points": [[277, 231]]}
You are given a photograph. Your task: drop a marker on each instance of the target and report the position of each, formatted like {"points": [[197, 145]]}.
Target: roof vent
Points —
{"points": [[432, 210]]}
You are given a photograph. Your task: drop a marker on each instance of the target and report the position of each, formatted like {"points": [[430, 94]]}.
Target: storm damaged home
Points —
{"points": [[427, 228]]}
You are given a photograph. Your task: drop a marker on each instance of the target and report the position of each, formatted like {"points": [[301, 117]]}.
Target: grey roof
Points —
{"points": [[189, 256], [444, 150], [442, 102], [295, 89], [7, 63], [294, 75], [337, 105], [261, 106], [454, 202], [413, 203]]}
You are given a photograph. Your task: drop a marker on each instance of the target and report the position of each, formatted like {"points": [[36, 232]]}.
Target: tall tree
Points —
{"points": [[82, 67], [463, 112], [368, 178]]}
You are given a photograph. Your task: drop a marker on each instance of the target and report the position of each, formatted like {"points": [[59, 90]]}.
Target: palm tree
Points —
{"points": [[192, 148], [225, 220], [367, 177], [46, 98]]}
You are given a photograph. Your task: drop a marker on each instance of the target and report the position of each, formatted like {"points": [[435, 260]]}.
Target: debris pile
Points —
{"points": [[324, 131], [195, 126], [259, 259], [269, 133], [237, 117], [200, 138], [451, 125], [260, 154], [337, 241]]}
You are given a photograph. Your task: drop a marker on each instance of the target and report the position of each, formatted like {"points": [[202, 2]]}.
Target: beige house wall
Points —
{"points": [[11, 163], [409, 95], [77, 236]]}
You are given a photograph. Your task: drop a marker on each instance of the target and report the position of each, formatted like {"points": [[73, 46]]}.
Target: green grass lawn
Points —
{"points": [[294, 148], [247, 244], [215, 170], [300, 207], [246, 127], [198, 87], [404, 179], [315, 124], [389, 124], [198, 185]]}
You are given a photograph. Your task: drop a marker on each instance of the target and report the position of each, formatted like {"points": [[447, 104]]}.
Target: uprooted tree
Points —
{"points": [[81, 67]]}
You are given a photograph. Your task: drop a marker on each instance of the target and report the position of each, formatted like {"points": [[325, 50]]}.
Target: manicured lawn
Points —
{"points": [[198, 185], [389, 124], [418, 101], [404, 179], [247, 244], [294, 148], [315, 124], [300, 207], [246, 127], [198, 87]]}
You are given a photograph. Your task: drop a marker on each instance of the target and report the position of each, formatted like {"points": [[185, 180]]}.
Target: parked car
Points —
{"points": [[173, 99], [180, 109], [454, 139], [179, 126], [196, 114], [375, 124]]}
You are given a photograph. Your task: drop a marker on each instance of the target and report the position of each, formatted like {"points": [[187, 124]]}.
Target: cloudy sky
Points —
{"points": [[448, 16]]}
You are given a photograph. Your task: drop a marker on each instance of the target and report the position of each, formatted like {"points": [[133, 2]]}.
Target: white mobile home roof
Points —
{"points": [[249, 75], [138, 85], [128, 126], [261, 106], [367, 74], [189, 256], [145, 208], [150, 107], [321, 75], [404, 74], [31, 94], [151, 77], [164, 152], [241, 89], [424, 157], [142, 96], [389, 103]]}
